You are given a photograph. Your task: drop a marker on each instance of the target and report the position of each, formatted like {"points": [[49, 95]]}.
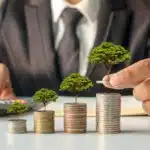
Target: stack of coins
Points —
{"points": [[75, 117], [17, 126], [108, 113], [44, 122]]}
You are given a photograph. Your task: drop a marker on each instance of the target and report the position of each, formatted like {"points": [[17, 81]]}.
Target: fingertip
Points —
{"points": [[105, 78], [106, 81], [109, 81], [115, 80], [107, 84]]}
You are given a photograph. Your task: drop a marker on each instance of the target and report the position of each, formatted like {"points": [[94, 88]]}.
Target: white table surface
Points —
{"points": [[135, 135]]}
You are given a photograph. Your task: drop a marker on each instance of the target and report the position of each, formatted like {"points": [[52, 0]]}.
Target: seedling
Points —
{"points": [[45, 96], [109, 54], [75, 83]]}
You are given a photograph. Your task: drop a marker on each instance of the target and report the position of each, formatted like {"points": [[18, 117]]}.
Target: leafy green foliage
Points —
{"points": [[17, 108], [109, 54], [76, 83], [44, 96]]}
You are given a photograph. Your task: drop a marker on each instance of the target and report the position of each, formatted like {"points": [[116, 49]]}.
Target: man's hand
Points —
{"points": [[136, 76], [6, 91]]}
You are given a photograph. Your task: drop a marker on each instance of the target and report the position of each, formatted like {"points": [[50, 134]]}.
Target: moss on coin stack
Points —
{"points": [[44, 121], [75, 114], [17, 125]]}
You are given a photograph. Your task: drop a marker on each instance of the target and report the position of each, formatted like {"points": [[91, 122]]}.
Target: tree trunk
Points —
{"points": [[76, 97], [44, 106], [17, 116], [108, 67]]}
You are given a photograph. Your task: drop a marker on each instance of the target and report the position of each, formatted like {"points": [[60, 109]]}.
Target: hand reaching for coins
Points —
{"points": [[6, 91], [136, 76]]}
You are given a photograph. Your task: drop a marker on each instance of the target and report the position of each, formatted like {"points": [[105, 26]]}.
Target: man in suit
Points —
{"points": [[39, 48]]}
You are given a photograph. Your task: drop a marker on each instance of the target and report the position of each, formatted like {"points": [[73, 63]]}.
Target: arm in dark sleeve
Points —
{"points": [[148, 44], [3, 9]]}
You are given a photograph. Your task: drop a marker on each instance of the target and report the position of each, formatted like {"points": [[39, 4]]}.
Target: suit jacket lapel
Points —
{"points": [[40, 36], [140, 30], [109, 29], [12, 37], [103, 21]]}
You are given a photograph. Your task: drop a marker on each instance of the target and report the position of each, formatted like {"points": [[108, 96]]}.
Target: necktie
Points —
{"points": [[68, 51]]}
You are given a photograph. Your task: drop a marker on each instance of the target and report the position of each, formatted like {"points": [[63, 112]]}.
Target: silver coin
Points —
{"points": [[108, 129], [108, 114], [110, 125], [17, 126], [108, 118], [108, 108], [108, 121], [105, 109], [109, 132]]}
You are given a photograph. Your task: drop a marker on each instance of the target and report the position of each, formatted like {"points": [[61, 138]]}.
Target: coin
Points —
{"points": [[108, 112], [75, 117], [75, 131], [17, 126], [44, 122]]}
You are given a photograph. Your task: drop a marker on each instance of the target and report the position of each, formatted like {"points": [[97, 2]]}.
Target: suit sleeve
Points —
{"points": [[119, 26], [148, 44], [3, 9]]}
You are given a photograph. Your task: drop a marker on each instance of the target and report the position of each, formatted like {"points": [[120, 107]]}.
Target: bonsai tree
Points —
{"points": [[75, 83], [18, 108], [109, 54], [44, 96]]}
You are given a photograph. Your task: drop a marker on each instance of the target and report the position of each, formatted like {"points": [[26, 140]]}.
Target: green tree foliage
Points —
{"points": [[109, 54], [44, 96], [17, 108], [75, 83]]}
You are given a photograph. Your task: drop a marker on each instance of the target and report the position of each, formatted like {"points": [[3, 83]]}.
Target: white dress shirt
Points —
{"points": [[86, 29]]}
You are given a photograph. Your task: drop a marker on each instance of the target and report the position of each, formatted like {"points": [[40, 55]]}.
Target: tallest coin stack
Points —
{"points": [[108, 113]]}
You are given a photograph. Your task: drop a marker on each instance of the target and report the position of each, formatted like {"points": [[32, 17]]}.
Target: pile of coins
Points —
{"points": [[75, 117], [108, 107], [44, 122], [17, 126]]}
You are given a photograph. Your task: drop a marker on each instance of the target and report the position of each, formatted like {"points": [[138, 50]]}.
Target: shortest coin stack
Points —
{"points": [[17, 126], [44, 122], [75, 117], [108, 113]]}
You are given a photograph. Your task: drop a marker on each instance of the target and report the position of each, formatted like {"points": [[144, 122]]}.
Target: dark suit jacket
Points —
{"points": [[27, 43]]}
